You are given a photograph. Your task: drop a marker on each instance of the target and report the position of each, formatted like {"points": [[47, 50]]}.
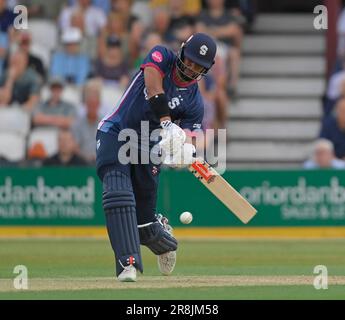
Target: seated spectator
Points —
{"points": [[179, 34], [236, 9], [55, 112], [333, 129], [191, 7], [19, 84], [93, 17], [67, 152], [116, 27], [151, 39], [133, 25], [85, 126], [102, 4], [35, 63], [70, 64], [161, 22], [245, 10], [181, 25], [88, 43], [223, 26], [113, 67], [323, 156]]}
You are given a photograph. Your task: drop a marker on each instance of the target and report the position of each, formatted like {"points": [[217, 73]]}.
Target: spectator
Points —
{"points": [[77, 21], [333, 129], [181, 25], [35, 63], [161, 22], [6, 17], [102, 4], [88, 44], [191, 7], [70, 64], [113, 67], [55, 111], [20, 84], [85, 126], [223, 26], [180, 33], [324, 157], [133, 25], [116, 27], [151, 39], [66, 155], [245, 10], [93, 17]]}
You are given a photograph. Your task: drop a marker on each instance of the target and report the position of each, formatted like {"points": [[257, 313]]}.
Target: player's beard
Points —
{"points": [[182, 75], [180, 70]]}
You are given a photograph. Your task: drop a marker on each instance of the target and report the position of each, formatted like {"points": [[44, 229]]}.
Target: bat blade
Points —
{"points": [[232, 199]]}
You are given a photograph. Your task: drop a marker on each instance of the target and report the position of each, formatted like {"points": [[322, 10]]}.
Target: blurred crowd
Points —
{"points": [[329, 150], [69, 67]]}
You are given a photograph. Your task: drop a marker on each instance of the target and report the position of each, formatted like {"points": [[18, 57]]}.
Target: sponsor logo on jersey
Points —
{"points": [[157, 56]]}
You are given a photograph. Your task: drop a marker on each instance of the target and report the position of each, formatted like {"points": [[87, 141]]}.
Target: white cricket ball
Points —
{"points": [[186, 217]]}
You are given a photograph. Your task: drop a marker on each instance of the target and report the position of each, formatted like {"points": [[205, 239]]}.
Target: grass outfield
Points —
{"points": [[206, 269]]}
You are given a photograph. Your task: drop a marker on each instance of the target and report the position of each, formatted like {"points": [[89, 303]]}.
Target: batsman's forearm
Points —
{"points": [[153, 82], [155, 94]]}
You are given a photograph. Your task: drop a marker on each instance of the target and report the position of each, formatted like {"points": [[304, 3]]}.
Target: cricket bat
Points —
{"points": [[214, 182]]}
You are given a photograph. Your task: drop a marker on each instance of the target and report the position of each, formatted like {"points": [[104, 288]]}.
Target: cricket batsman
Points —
{"points": [[164, 91]]}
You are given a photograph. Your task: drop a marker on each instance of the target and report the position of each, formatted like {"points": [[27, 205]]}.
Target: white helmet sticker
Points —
{"points": [[203, 50]]}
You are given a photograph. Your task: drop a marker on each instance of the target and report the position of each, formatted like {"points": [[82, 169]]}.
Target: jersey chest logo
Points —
{"points": [[174, 102]]}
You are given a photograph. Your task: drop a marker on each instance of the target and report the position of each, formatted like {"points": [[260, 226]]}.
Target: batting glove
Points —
{"points": [[183, 158], [173, 138]]}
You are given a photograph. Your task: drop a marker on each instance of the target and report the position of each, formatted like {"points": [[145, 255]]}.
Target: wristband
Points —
{"points": [[159, 105]]}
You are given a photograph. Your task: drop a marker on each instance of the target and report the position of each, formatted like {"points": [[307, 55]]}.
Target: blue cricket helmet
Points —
{"points": [[201, 49]]}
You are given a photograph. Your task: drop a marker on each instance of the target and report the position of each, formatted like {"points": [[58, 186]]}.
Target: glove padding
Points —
{"points": [[173, 138], [183, 158], [156, 238]]}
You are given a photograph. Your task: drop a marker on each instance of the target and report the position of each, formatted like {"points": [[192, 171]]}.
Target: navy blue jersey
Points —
{"points": [[185, 100]]}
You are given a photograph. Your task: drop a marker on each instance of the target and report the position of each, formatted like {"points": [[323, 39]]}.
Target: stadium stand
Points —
{"points": [[278, 112], [46, 41]]}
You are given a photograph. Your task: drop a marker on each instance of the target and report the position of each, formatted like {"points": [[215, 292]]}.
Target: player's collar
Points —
{"points": [[180, 83]]}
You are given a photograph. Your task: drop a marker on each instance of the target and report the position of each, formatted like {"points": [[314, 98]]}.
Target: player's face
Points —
{"points": [[323, 157], [192, 68]]}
